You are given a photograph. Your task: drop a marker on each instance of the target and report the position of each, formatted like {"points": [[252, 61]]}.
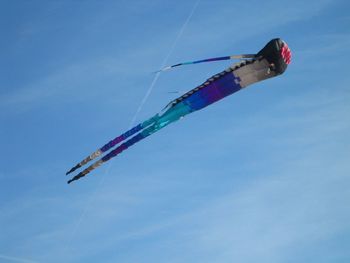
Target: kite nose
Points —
{"points": [[286, 53]]}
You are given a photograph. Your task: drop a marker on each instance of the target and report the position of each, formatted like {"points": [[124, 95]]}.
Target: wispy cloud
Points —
{"points": [[68, 84], [16, 259], [265, 182], [72, 81]]}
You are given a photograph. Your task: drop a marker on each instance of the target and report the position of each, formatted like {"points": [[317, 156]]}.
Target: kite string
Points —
{"points": [[86, 208], [165, 61], [149, 90]]}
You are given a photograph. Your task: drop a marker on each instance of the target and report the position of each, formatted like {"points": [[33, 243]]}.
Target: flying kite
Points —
{"points": [[269, 62]]}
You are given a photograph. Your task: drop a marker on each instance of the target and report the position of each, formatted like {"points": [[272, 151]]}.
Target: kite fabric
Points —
{"points": [[269, 62]]}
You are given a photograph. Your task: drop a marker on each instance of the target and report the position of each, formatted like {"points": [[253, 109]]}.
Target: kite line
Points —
{"points": [[165, 61], [145, 98]]}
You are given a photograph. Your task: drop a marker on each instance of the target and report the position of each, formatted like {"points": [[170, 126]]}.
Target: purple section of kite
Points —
{"points": [[120, 138]]}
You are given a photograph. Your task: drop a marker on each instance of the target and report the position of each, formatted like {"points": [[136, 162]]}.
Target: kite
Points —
{"points": [[269, 62]]}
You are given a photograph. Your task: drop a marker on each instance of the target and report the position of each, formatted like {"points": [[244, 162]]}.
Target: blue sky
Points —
{"points": [[262, 176]]}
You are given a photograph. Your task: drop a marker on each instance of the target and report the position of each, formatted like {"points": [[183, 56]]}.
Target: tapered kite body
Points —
{"points": [[269, 62]]}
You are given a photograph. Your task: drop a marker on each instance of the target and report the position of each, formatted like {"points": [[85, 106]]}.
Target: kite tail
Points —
{"points": [[112, 143], [142, 135], [152, 125]]}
